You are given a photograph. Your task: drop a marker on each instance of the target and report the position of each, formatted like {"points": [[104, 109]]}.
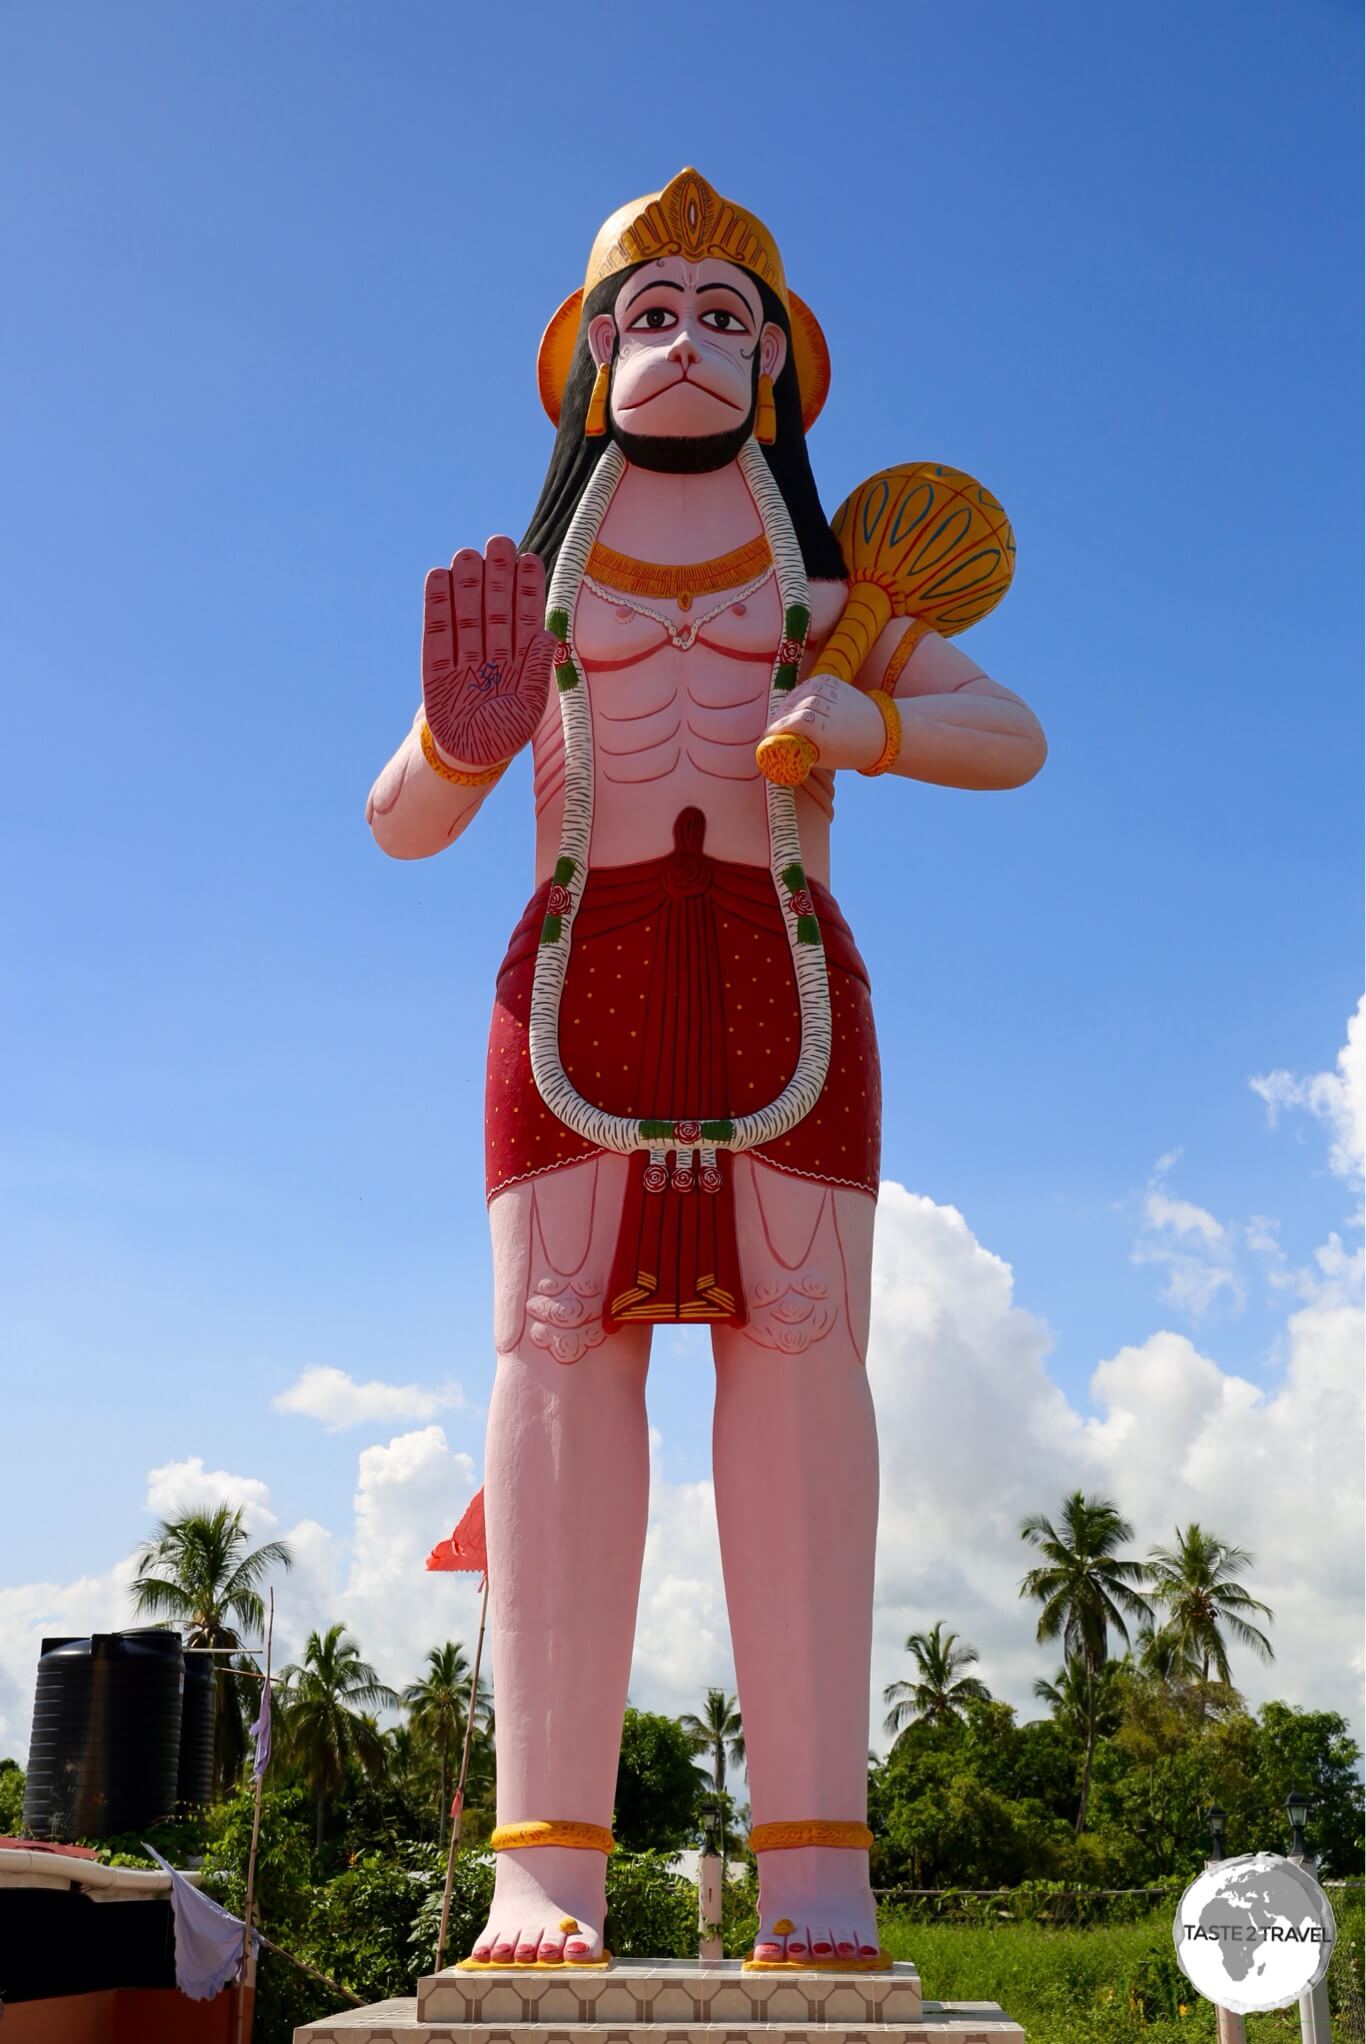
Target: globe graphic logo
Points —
{"points": [[1254, 1932]]}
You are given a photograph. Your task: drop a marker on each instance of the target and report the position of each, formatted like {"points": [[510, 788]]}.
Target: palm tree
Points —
{"points": [[198, 1572], [717, 1732], [323, 1708], [1067, 1697], [1161, 1656], [940, 1689], [1084, 1588], [436, 1707], [1194, 1583]]}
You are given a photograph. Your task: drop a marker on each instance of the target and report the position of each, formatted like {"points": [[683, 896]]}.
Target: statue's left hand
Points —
{"points": [[845, 728], [486, 654]]}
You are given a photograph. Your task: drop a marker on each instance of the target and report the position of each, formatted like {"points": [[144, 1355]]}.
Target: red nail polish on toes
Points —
{"points": [[867, 1951], [844, 1951], [822, 1951]]}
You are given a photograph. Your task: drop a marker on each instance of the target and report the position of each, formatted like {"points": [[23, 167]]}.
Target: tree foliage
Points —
{"points": [[198, 1573], [659, 1790], [939, 1689], [324, 1705]]}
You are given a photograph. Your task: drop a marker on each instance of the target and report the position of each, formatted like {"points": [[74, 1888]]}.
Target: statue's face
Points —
{"points": [[687, 338]]}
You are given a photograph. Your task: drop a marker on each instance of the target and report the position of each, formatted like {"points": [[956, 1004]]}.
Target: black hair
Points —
{"points": [[573, 459]]}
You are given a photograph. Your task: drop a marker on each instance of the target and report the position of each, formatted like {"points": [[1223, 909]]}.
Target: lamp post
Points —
{"points": [[1315, 2018], [1215, 1818], [1229, 2028], [709, 1947], [1297, 1809]]}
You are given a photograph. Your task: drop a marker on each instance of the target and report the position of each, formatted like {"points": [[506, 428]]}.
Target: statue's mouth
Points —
{"points": [[693, 382]]}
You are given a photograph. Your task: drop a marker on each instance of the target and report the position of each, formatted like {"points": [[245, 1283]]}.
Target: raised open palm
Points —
{"points": [[486, 654]]}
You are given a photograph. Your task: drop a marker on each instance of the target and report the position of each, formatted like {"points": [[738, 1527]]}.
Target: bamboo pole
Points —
{"points": [[458, 1806], [251, 1857], [311, 1971]]}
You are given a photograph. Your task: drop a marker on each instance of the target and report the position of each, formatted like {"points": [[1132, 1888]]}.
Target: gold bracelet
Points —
{"points": [[459, 777], [582, 1837], [891, 723], [814, 1831], [916, 630]]}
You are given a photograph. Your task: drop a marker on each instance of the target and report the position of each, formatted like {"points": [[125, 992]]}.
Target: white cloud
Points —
{"points": [[178, 1487], [1197, 1252], [337, 1401], [1336, 1098]]}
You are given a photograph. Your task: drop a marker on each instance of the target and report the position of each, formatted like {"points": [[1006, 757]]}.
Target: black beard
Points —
{"points": [[677, 457], [686, 457]]}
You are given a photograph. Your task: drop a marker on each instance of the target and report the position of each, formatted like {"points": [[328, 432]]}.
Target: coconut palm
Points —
{"points": [[1067, 1697], [323, 1706], [1085, 1589], [1194, 1583], [940, 1689], [198, 1572], [436, 1708], [719, 1734]]}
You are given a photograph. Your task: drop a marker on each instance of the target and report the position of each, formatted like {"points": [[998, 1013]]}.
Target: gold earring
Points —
{"points": [[595, 425], [765, 414]]}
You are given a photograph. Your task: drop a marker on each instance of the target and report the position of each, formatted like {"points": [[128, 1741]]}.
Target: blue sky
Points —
{"points": [[275, 279]]}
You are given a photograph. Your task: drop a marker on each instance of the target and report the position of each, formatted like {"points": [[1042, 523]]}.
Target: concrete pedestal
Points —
{"points": [[671, 2001]]}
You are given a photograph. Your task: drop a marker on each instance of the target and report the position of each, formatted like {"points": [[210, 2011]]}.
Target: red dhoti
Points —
{"points": [[681, 1002]]}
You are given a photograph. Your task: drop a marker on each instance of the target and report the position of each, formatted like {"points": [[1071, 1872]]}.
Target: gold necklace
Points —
{"points": [[681, 584], [684, 637]]}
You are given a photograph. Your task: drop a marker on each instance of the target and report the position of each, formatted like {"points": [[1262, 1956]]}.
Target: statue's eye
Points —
{"points": [[722, 322], [655, 319]]}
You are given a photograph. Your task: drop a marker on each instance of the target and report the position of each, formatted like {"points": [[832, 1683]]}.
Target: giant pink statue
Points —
{"points": [[682, 1113]]}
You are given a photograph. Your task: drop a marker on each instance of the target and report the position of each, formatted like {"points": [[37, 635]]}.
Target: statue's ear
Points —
{"points": [[602, 338], [772, 350]]}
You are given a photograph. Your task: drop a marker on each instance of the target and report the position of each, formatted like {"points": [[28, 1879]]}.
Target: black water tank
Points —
{"points": [[106, 1734], [195, 1781]]}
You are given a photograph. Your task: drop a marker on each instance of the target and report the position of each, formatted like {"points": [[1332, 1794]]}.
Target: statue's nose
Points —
{"points": [[684, 349]]}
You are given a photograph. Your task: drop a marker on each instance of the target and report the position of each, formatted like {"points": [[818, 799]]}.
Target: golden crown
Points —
{"points": [[688, 218]]}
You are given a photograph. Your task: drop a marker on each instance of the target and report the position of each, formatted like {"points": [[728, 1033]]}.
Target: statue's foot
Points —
{"points": [[816, 1908], [549, 1903]]}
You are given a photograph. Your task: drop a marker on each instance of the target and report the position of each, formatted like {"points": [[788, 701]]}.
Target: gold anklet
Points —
{"points": [[813, 1831], [581, 1837]]}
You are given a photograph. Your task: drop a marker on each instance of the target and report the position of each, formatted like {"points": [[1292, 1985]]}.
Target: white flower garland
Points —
{"points": [[723, 1132]]}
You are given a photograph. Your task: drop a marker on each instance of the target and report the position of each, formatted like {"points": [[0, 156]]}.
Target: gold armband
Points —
{"points": [[916, 630], [813, 1831], [891, 725], [580, 1837], [459, 777]]}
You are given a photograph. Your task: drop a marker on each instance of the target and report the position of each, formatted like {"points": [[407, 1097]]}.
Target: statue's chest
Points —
{"points": [[615, 631]]}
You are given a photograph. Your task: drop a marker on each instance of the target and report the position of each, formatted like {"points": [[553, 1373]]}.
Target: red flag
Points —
{"points": [[465, 1549]]}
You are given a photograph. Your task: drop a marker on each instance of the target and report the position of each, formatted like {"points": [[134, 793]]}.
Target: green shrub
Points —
{"points": [[471, 1900], [651, 1911]]}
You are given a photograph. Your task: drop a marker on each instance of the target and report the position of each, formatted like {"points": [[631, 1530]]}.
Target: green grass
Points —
{"points": [[1101, 1985]]}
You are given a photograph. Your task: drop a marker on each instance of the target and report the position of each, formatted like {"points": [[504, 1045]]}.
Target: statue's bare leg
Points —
{"points": [[795, 1459], [566, 1491]]}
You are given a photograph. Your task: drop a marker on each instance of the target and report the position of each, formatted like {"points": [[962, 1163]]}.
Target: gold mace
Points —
{"points": [[921, 541]]}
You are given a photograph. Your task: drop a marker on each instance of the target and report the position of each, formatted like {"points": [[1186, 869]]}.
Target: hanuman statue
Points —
{"points": [[683, 1096]]}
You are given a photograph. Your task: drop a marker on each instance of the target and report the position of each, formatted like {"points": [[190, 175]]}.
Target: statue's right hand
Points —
{"points": [[486, 654]]}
